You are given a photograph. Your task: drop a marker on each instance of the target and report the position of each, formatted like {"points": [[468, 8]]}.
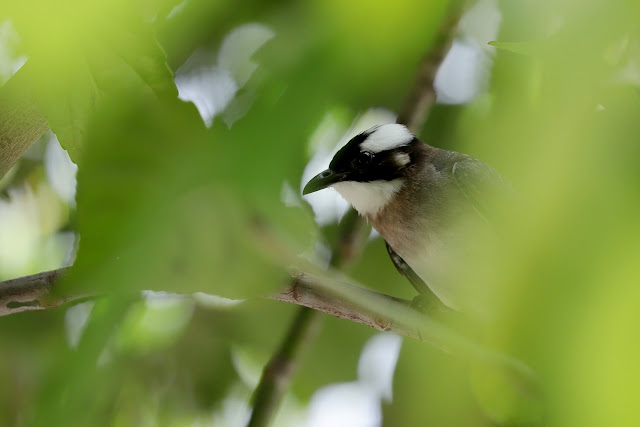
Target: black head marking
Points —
{"points": [[366, 166]]}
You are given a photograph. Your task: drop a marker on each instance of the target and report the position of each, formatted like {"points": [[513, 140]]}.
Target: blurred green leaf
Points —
{"points": [[431, 388], [73, 74], [365, 43], [151, 217], [509, 394], [165, 204], [523, 48]]}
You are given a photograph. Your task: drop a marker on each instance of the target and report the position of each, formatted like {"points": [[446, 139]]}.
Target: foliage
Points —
{"points": [[168, 204]]}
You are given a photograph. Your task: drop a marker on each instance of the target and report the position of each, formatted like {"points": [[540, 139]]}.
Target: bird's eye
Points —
{"points": [[362, 160]]}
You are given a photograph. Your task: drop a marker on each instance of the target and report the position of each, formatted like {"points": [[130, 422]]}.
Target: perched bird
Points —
{"points": [[430, 206]]}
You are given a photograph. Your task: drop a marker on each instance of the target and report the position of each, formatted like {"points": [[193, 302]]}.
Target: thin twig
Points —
{"points": [[278, 372], [422, 97]]}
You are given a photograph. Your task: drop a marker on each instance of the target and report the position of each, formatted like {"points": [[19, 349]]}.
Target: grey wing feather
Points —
{"points": [[482, 185]]}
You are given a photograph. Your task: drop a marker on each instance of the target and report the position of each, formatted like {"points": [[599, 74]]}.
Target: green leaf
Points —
{"points": [[165, 204], [98, 54], [508, 394], [149, 217]]}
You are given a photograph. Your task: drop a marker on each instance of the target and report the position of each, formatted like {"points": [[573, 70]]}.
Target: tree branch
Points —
{"points": [[310, 291], [315, 292], [422, 97], [278, 372], [337, 298], [30, 293], [320, 293]]}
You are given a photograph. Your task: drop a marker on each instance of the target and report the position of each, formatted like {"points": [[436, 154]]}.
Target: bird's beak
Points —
{"points": [[323, 180]]}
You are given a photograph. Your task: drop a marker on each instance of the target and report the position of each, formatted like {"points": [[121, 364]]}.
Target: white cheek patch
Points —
{"points": [[386, 137], [368, 198], [401, 159]]}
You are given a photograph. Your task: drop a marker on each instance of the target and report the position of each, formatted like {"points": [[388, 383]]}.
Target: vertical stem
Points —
{"points": [[277, 374]]}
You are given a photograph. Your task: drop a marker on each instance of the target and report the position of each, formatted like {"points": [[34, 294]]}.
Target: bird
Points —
{"points": [[430, 205]]}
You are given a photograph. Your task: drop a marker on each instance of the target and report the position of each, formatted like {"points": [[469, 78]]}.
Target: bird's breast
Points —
{"points": [[439, 244]]}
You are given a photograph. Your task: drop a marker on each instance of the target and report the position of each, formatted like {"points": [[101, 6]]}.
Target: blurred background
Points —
{"points": [[180, 135]]}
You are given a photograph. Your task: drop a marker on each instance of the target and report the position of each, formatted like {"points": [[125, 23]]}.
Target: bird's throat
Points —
{"points": [[369, 198]]}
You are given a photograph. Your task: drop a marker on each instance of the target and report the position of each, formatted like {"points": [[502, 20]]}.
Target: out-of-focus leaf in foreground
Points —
{"points": [[81, 53], [574, 160], [166, 204]]}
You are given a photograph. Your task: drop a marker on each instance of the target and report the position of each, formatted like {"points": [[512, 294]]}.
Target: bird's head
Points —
{"points": [[371, 168]]}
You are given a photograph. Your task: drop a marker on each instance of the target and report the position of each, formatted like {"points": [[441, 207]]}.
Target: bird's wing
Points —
{"points": [[408, 272], [481, 184]]}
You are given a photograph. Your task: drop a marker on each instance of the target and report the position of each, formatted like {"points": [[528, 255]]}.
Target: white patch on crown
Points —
{"points": [[368, 198], [386, 137]]}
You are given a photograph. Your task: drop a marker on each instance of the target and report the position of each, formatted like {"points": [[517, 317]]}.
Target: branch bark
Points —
{"points": [[316, 293], [30, 293]]}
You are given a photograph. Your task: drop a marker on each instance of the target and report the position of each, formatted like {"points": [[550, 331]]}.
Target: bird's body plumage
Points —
{"points": [[423, 201], [426, 223]]}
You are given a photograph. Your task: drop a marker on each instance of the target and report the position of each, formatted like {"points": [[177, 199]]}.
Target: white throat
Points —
{"points": [[368, 198]]}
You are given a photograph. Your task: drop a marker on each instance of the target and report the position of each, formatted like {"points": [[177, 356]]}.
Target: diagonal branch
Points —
{"points": [[315, 294], [320, 293], [35, 292]]}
